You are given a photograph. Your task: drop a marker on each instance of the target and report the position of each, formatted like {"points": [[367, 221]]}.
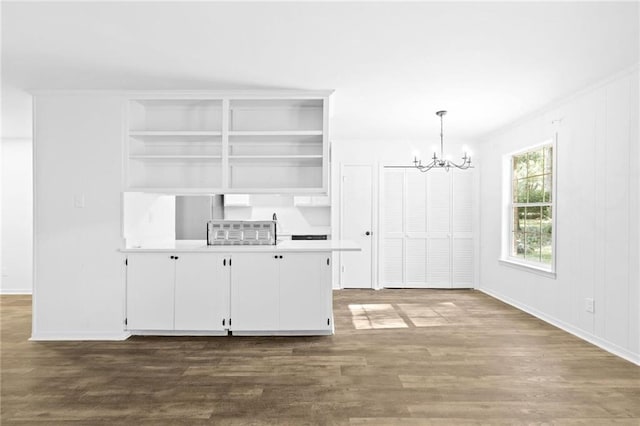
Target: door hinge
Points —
{"points": [[328, 321], [224, 262], [125, 321], [229, 322], [327, 261], [126, 262], [223, 321], [229, 262]]}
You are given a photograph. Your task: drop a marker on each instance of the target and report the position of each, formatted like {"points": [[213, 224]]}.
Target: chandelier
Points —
{"points": [[442, 162]]}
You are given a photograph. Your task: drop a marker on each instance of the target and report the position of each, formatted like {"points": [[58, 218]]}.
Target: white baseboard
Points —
{"points": [[178, 333], [43, 337], [283, 333], [582, 334], [24, 291]]}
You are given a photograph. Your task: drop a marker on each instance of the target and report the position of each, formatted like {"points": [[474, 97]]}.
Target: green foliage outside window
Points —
{"points": [[532, 185]]}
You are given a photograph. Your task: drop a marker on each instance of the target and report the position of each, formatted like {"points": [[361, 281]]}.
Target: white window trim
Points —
{"points": [[506, 258]]}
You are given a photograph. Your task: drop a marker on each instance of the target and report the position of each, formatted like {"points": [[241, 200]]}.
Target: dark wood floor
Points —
{"points": [[398, 357]]}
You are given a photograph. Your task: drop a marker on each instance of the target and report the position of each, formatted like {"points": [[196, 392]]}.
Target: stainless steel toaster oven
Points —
{"points": [[239, 233]]}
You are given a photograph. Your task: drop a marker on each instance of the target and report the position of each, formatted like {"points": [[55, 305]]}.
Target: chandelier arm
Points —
{"points": [[466, 164], [427, 167]]}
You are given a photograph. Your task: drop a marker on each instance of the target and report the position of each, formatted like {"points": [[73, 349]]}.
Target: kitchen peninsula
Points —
{"points": [[191, 288], [96, 151]]}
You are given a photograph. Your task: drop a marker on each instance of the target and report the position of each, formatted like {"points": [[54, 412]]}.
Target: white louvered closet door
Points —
{"points": [[462, 232], [415, 229], [438, 229], [392, 257], [427, 229]]}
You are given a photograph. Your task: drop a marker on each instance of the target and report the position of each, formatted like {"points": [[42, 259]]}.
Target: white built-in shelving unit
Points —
{"points": [[229, 143]]}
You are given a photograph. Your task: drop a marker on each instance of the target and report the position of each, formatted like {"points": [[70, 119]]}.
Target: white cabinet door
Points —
{"points": [[202, 291], [150, 283], [254, 292], [305, 291]]}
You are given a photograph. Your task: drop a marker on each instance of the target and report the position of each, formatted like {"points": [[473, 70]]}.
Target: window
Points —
{"points": [[531, 239]]}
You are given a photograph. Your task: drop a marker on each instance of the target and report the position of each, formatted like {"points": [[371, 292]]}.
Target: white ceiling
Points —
{"points": [[392, 65]]}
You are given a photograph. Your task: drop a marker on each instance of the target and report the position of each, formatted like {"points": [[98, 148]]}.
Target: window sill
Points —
{"points": [[528, 267]]}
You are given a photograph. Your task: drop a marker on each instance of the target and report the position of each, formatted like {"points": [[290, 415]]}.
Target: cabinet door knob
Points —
{"points": [[275, 257], [367, 233]]}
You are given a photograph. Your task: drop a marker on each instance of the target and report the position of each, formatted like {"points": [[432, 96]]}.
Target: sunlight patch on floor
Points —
{"points": [[375, 316], [402, 315], [421, 315]]}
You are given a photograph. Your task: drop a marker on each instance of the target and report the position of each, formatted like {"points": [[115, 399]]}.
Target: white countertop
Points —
{"points": [[282, 246]]}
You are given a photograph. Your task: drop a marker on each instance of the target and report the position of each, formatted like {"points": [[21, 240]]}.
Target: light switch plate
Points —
{"points": [[78, 201]]}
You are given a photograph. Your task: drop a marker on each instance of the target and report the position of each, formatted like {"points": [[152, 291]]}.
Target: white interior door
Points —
{"points": [[356, 225]]}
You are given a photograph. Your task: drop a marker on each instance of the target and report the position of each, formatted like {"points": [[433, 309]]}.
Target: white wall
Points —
{"points": [[291, 219], [79, 277], [17, 216], [597, 216]]}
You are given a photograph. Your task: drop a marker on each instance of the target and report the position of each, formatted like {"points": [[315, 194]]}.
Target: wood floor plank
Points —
{"points": [[414, 357]]}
